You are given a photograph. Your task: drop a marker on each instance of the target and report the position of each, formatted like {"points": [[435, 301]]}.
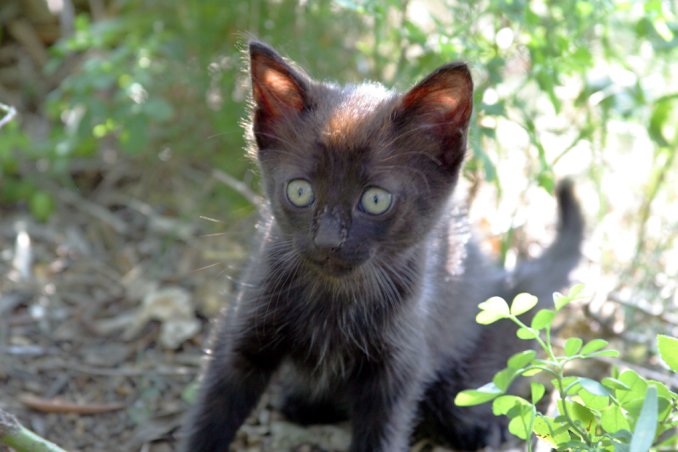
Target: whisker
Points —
{"points": [[207, 267]]}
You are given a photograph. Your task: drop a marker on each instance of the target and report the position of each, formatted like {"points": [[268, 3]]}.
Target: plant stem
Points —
{"points": [[558, 373], [16, 436], [563, 396]]}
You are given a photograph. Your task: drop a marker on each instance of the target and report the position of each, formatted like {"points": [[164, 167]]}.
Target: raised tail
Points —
{"points": [[551, 271]]}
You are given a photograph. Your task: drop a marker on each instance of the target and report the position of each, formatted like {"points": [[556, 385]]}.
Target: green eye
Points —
{"points": [[300, 192], [376, 200]]}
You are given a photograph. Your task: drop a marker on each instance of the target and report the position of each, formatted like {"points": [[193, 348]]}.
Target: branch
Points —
{"points": [[238, 186], [14, 435], [10, 114]]}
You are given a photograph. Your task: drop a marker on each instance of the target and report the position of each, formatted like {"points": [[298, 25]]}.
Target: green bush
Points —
{"points": [[622, 412]]}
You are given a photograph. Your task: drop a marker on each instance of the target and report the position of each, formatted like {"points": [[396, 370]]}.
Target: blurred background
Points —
{"points": [[127, 203]]}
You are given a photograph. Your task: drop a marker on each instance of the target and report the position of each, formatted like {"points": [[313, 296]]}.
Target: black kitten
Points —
{"points": [[365, 279]]}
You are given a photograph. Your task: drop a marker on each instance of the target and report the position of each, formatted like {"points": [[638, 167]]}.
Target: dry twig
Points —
{"points": [[10, 113], [62, 406]]}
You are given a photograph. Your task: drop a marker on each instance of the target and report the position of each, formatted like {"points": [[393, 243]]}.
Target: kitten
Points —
{"points": [[365, 278]]}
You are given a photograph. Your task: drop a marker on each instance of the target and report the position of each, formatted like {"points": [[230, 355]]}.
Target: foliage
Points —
{"points": [[165, 78], [163, 81], [622, 412]]}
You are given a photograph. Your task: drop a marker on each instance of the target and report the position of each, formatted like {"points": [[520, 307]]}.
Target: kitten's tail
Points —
{"points": [[550, 271]]}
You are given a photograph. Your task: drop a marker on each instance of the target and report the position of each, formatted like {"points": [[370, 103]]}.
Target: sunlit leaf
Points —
{"points": [[503, 404], [555, 433], [668, 350], [521, 359], [646, 425], [492, 310], [522, 303], [613, 383], [593, 346], [594, 387], [572, 346], [504, 378], [542, 319], [477, 396], [537, 391], [613, 419], [525, 333]]}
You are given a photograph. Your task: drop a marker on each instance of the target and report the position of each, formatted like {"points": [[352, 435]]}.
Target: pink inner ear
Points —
{"points": [[443, 103], [276, 92]]}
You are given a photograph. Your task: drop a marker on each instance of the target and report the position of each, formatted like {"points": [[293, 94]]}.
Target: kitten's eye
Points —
{"points": [[300, 192], [376, 200]]}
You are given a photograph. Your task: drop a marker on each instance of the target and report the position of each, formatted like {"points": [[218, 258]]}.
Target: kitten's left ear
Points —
{"points": [[440, 106]]}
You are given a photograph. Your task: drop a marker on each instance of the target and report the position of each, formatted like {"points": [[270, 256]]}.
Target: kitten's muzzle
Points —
{"points": [[330, 233]]}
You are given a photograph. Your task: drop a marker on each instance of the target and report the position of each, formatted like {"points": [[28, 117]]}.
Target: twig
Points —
{"points": [[238, 186], [19, 438], [95, 210], [129, 371], [62, 406], [10, 114]]}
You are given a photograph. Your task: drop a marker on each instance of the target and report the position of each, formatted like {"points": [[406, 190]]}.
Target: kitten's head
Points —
{"points": [[356, 174]]}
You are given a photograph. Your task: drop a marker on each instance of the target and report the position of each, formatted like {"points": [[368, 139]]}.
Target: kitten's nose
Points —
{"points": [[329, 235]]}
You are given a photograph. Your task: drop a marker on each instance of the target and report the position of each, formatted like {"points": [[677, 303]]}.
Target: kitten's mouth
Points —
{"points": [[332, 266]]}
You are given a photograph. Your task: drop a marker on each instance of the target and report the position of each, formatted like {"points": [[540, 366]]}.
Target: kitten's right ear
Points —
{"points": [[440, 107], [278, 90]]}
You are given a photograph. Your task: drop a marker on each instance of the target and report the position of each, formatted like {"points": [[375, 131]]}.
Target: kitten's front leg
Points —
{"points": [[239, 370], [383, 410]]}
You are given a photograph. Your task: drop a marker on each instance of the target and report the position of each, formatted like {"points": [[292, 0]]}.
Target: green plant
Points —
{"points": [[622, 412]]}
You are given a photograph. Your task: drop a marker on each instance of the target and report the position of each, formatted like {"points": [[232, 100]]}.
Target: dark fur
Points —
{"points": [[374, 313]]}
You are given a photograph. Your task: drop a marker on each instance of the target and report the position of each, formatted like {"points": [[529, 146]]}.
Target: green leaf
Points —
{"points": [[560, 300], [577, 411], [637, 388], [522, 359], [668, 350], [42, 205], [572, 346], [608, 353], [504, 378], [613, 419], [575, 291], [537, 391], [522, 303], [592, 401], [646, 425], [613, 383], [521, 425], [526, 334], [531, 372], [505, 403], [593, 346], [543, 319], [594, 387], [553, 432], [472, 397], [492, 310]]}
